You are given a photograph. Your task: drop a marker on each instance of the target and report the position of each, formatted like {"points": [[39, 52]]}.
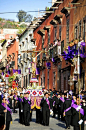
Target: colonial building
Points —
{"points": [[54, 33], [26, 45]]}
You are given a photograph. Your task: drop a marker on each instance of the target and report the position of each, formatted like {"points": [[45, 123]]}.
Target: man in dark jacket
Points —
{"points": [[6, 112], [75, 115], [21, 117], [26, 109], [55, 102], [15, 98], [67, 112], [45, 104], [61, 102]]}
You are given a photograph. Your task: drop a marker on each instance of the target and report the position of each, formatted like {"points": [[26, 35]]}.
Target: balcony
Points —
{"points": [[22, 62], [55, 52], [74, 1], [2, 66], [12, 64], [19, 62]]}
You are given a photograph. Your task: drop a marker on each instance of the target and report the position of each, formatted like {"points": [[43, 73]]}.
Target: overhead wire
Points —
{"points": [[39, 10]]}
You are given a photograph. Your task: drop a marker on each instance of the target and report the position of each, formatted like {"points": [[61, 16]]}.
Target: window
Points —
{"points": [[55, 33], [62, 46], [53, 79], [42, 41], [44, 81], [59, 32], [79, 29], [67, 32], [48, 37], [48, 79], [44, 53], [41, 81], [22, 43], [76, 32], [84, 28], [11, 36]]}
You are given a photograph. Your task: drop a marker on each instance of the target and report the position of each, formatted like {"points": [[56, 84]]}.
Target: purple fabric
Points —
{"points": [[8, 72], [48, 64], [73, 101], [15, 97], [20, 99], [83, 43], [48, 102], [14, 70], [19, 71], [8, 101], [62, 99], [7, 108], [2, 73], [29, 102], [67, 109], [75, 107], [53, 103], [27, 99], [37, 71], [53, 60]]}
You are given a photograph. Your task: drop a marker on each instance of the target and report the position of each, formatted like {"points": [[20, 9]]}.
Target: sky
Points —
{"points": [[26, 5]]}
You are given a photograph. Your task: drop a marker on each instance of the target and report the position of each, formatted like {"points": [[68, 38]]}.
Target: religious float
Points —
{"points": [[36, 93]]}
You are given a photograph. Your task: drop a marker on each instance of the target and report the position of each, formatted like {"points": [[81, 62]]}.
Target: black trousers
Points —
{"points": [[68, 120], [27, 118], [62, 117], [46, 115], [7, 125], [31, 114], [78, 128], [59, 113], [54, 111], [21, 118], [37, 115]]}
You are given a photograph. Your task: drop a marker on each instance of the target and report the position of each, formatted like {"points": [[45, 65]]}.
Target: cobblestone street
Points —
{"points": [[54, 124]]}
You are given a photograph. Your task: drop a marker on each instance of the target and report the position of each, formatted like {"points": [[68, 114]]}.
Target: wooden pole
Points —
{"points": [[79, 82]]}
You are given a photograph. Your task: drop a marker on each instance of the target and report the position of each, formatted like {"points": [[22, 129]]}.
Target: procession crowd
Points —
{"points": [[65, 106]]}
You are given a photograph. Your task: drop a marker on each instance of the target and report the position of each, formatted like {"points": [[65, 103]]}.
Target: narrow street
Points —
{"points": [[54, 124]]}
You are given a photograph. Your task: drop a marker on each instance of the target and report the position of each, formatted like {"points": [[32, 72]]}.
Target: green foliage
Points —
{"points": [[23, 16], [20, 31], [0, 19], [23, 26], [1, 41], [47, 8], [10, 24], [12, 78]]}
